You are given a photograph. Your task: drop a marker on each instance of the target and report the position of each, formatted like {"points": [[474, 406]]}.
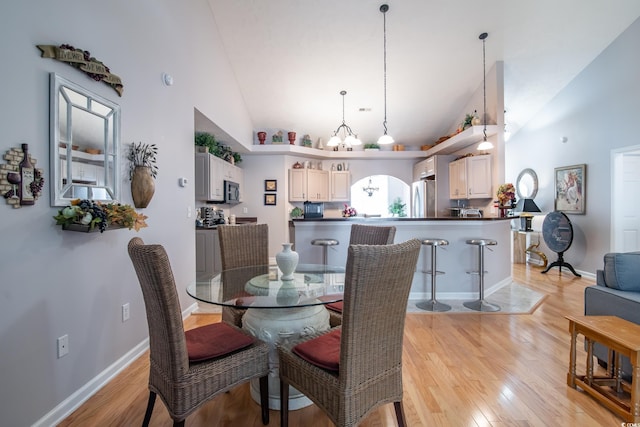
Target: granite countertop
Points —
{"points": [[379, 219]]}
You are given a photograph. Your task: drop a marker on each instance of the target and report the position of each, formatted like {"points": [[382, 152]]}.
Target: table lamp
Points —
{"points": [[526, 206]]}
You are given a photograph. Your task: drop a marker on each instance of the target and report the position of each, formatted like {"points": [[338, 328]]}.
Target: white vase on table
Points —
{"points": [[287, 261]]}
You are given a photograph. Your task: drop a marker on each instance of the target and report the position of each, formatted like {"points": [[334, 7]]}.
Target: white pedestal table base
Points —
{"points": [[280, 325]]}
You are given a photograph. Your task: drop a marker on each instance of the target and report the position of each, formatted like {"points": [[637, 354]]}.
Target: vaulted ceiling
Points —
{"points": [[291, 58]]}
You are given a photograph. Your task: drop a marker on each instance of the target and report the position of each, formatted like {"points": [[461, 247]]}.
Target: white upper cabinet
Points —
{"points": [[340, 186], [470, 178], [210, 174]]}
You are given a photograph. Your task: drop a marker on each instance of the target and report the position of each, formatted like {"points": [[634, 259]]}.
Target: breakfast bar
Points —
{"points": [[456, 260]]}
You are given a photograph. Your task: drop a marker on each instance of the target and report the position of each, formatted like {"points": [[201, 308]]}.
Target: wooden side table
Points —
{"points": [[623, 339]]}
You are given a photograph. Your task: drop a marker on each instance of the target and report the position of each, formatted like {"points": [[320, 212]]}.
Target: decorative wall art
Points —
{"points": [[570, 189], [270, 185], [270, 199], [20, 181], [82, 60]]}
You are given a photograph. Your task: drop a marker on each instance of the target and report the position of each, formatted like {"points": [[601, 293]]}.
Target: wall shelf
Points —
{"points": [[458, 142]]}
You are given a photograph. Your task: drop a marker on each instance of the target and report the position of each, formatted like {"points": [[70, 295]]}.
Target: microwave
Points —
{"points": [[231, 192]]}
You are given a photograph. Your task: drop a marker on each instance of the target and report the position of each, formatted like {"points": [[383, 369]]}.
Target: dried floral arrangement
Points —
{"points": [[143, 155]]}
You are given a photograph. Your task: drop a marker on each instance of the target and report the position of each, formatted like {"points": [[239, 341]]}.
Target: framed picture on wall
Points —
{"points": [[270, 199], [270, 185], [570, 189]]}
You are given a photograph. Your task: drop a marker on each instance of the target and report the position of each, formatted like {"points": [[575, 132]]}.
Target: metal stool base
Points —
{"points": [[481, 305], [433, 305]]}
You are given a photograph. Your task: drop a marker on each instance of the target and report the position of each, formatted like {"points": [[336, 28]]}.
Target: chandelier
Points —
{"points": [[385, 139], [370, 189], [484, 145], [349, 137]]}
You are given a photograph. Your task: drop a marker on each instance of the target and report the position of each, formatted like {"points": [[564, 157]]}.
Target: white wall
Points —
{"points": [[597, 112], [56, 282]]}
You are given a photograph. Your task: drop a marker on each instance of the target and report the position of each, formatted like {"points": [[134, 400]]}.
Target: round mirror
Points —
{"points": [[527, 184]]}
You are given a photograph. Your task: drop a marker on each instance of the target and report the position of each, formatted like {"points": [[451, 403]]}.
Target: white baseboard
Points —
{"points": [[73, 402]]}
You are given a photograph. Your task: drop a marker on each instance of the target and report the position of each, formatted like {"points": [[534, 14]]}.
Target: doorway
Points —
{"points": [[625, 217]]}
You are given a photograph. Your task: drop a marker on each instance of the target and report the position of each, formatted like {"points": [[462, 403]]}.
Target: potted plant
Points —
{"points": [[296, 213], [211, 145], [371, 147], [397, 208], [205, 142], [142, 170]]}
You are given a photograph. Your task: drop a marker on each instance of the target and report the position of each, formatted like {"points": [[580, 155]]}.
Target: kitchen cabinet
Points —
{"points": [[340, 186], [470, 178], [424, 169], [210, 174], [208, 260], [308, 185]]}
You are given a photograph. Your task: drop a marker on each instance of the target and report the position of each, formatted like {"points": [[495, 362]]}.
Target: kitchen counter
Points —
{"points": [[365, 220], [455, 260]]}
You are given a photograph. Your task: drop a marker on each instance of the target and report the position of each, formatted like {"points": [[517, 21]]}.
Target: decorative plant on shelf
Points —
{"points": [[142, 170], [94, 214], [397, 208], [213, 146], [371, 146]]}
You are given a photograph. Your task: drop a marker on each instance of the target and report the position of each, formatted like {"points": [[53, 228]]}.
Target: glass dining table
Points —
{"points": [[278, 310]]}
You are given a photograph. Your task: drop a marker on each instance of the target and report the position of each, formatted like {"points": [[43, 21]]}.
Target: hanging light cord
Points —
{"points": [[384, 8], [483, 37], [344, 125]]}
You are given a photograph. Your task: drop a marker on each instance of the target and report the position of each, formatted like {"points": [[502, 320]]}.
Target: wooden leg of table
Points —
{"points": [[571, 377], [618, 371], [635, 387], [589, 379]]}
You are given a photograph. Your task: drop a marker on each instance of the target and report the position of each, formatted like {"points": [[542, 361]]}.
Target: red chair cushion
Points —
{"points": [[335, 306], [215, 340], [323, 351]]}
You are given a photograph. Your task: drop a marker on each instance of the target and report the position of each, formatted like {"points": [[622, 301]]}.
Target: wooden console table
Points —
{"points": [[623, 339]]}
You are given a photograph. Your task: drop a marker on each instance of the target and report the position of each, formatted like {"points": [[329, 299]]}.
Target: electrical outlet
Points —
{"points": [[125, 312], [245, 210], [63, 346]]}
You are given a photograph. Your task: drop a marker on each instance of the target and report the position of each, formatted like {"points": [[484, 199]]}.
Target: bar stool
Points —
{"points": [[325, 243], [481, 304], [432, 304]]}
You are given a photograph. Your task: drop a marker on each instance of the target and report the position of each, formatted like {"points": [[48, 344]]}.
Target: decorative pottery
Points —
{"points": [[142, 186], [261, 137], [292, 137], [287, 261]]}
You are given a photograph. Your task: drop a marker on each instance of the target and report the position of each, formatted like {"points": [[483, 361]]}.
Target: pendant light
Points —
{"points": [[349, 137], [385, 139], [484, 145]]}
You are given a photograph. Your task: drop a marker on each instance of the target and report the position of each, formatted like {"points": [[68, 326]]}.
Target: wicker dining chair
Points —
{"points": [[362, 235], [351, 370], [187, 369], [242, 246]]}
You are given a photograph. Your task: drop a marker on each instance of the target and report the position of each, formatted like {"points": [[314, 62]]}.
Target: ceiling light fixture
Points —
{"points": [[370, 189], [385, 139], [349, 137], [484, 145]]}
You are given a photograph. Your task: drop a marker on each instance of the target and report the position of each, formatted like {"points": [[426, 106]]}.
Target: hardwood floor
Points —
{"points": [[460, 369]]}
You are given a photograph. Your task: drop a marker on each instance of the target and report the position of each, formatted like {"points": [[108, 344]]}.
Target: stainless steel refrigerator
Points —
{"points": [[430, 191], [423, 199]]}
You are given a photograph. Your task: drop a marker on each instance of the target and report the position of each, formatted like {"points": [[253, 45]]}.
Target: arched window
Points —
{"points": [[373, 195]]}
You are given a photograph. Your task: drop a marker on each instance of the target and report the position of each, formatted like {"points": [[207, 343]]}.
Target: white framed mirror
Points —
{"points": [[84, 144], [527, 184]]}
